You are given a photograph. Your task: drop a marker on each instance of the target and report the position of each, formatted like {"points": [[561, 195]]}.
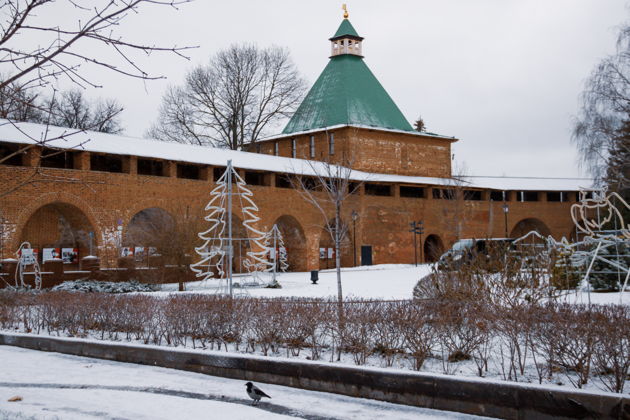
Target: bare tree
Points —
{"points": [[19, 104], [71, 109], [455, 210], [327, 191], [37, 51], [173, 237], [233, 100], [601, 129]]}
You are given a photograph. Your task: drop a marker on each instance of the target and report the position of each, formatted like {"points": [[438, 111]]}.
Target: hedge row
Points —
{"points": [[543, 341]]}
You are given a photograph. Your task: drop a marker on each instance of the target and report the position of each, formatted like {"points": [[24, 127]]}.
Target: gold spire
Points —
{"points": [[345, 11]]}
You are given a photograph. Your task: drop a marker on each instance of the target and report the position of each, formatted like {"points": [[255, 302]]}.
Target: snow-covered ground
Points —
{"points": [[58, 386], [387, 281]]}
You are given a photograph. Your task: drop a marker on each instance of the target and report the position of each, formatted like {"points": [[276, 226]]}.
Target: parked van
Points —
{"points": [[466, 250]]}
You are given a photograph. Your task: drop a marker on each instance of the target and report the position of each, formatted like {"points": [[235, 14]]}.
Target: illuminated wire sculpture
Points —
{"points": [[274, 243], [26, 257], [601, 203], [217, 250]]}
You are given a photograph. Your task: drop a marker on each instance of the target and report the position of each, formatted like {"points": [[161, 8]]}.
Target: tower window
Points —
{"points": [[293, 148], [312, 146], [331, 144], [275, 148]]}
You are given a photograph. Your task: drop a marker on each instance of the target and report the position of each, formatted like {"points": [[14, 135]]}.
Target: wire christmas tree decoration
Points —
{"points": [[274, 242], [217, 250]]}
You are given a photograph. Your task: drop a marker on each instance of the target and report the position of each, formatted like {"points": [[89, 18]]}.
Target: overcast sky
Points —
{"points": [[503, 76]]}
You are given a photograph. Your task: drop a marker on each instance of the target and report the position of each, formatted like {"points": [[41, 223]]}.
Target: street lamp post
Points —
{"points": [[506, 209], [355, 216], [421, 231], [417, 228], [415, 246]]}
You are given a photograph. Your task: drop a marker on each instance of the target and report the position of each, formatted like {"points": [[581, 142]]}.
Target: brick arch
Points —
{"points": [[270, 215], [433, 247], [144, 225], [294, 240], [526, 225], [141, 205], [51, 198], [324, 240]]}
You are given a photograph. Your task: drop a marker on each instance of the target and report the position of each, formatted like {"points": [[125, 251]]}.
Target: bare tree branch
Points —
{"points": [[328, 191], [230, 102], [601, 131], [37, 52], [52, 58]]}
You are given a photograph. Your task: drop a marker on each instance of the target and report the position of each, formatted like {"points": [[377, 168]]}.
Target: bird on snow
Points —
{"points": [[255, 393]]}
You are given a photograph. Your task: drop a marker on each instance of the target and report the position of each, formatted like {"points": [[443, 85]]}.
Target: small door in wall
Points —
{"points": [[366, 254]]}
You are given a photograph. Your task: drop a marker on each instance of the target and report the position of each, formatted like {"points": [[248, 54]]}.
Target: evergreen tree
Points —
{"points": [[419, 125], [618, 168], [605, 276]]}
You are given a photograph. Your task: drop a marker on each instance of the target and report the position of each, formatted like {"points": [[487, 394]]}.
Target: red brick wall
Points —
{"points": [[373, 151], [105, 199]]}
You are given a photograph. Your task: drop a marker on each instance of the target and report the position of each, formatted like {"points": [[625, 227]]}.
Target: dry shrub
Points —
{"points": [[579, 340], [460, 331], [514, 327], [12, 307], [266, 324], [612, 352], [296, 327], [359, 329], [452, 286], [388, 335], [417, 327], [576, 327]]}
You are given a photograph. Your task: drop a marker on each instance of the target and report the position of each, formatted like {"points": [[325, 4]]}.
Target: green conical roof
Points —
{"points": [[347, 93], [345, 29]]}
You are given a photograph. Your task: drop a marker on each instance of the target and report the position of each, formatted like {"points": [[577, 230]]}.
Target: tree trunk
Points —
{"points": [[338, 254], [340, 313]]}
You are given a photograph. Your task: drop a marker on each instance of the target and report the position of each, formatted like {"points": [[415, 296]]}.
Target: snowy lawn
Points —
{"points": [[386, 281], [58, 386]]}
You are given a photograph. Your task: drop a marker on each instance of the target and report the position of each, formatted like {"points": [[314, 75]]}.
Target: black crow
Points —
{"points": [[255, 393]]}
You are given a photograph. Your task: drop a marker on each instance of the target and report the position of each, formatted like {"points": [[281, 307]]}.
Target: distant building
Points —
{"points": [[94, 190]]}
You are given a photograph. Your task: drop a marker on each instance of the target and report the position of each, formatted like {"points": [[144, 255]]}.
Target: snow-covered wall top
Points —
{"points": [[66, 138]]}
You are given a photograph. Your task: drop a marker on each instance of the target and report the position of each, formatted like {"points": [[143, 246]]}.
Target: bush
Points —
{"points": [[605, 277], [565, 274], [92, 286], [582, 342]]}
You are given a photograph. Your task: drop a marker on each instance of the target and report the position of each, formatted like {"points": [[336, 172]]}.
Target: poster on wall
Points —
{"points": [[126, 251], [279, 252], [153, 251], [331, 253], [70, 255], [49, 254], [322, 253], [28, 256], [139, 253]]}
